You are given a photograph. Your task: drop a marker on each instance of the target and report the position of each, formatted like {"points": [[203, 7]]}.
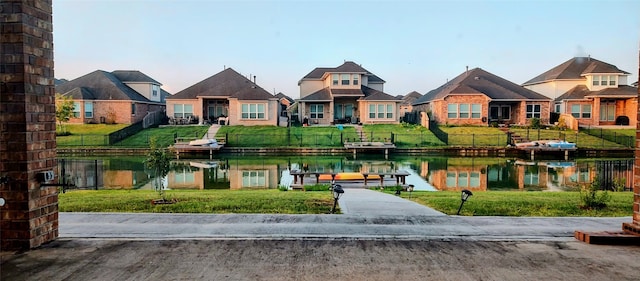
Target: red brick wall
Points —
{"points": [[116, 112], [440, 110], [27, 124], [636, 177]]}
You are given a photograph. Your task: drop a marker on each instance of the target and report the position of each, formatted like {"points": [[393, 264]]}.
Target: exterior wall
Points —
{"points": [[270, 177], [146, 89], [327, 117], [118, 112], [172, 102], [520, 112], [376, 86], [363, 109], [27, 125], [554, 89], [440, 110], [308, 87], [271, 112]]}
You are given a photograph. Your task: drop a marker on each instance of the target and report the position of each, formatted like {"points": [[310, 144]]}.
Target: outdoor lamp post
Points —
{"points": [[410, 189], [464, 197], [337, 192]]}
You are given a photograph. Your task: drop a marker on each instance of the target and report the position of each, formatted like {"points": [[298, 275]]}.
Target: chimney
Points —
{"points": [[467, 72], [254, 79]]}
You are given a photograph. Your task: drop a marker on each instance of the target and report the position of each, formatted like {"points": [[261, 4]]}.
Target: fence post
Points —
{"points": [[528, 134], [341, 141], [95, 170], [473, 140], [538, 133], [393, 137]]}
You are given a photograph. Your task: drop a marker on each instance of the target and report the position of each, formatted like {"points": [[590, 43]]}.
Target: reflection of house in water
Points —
{"points": [[82, 173], [254, 176], [459, 177], [198, 175]]}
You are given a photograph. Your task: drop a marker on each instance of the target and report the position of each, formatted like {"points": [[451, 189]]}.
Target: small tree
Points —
{"points": [[64, 110], [535, 123], [158, 160], [592, 197]]}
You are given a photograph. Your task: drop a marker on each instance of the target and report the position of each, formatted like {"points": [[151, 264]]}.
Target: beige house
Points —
{"points": [[346, 94], [225, 98], [593, 92], [477, 97]]}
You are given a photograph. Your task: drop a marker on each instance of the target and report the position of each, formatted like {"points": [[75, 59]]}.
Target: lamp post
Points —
{"points": [[464, 197], [337, 192], [410, 189]]}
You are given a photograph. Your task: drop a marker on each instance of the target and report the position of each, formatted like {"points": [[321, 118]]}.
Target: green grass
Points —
{"points": [[164, 135], [270, 201], [92, 129], [405, 135], [582, 140], [522, 204], [272, 136], [475, 136]]}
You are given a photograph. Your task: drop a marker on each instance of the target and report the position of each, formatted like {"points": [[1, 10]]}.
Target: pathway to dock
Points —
{"points": [[371, 203], [211, 133]]}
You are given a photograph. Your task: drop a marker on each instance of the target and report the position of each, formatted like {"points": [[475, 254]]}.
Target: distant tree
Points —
{"points": [[64, 111]]}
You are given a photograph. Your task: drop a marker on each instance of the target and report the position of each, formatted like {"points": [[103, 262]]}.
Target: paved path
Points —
{"points": [[211, 133], [365, 202]]}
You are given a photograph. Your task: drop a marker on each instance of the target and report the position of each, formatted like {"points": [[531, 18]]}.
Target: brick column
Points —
{"points": [[27, 124], [634, 227]]}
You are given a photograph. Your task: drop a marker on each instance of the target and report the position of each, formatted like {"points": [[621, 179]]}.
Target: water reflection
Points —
{"points": [[431, 173]]}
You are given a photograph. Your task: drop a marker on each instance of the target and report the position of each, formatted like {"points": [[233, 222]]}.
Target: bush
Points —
{"points": [[317, 187], [592, 197], [283, 188], [535, 123]]}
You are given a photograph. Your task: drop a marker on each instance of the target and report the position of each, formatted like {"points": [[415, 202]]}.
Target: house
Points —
{"points": [[121, 96], [477, 97], [285, 102], [346, 94], [407, 102], [592, 91], [226, 97]]}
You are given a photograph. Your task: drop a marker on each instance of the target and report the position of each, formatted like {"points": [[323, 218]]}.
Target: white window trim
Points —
{"points": [[376, 111], [257, 111], [319, 111]]}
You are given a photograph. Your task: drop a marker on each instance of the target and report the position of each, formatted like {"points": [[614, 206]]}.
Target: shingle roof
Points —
{"points": [[227, 83], [410, 97], [575, 68], [280, 95], [347, 93], [582, 92], [100, 85], [375, 95], [479, 81], [133, 76], [321, 95], [347, 66]]}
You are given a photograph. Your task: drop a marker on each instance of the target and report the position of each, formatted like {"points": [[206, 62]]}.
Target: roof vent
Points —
{"points": [[477, 78]]}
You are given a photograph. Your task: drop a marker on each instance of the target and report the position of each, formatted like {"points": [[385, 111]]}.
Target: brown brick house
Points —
{"points": [[477, 97], [227, 95], [592, 91], [121, 96]]}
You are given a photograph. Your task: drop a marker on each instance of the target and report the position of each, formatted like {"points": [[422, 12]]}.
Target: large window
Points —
{"points": [[88, 109], [355, 79], [316, 111], [452, 110], [334, 79], [381, 111], [476, 110], [182, 110], [604, 80], [254, 179], [253, 111], [345, 78], [607, 110], [581, 111], [76, 109], [533, 111], [464, 110]]}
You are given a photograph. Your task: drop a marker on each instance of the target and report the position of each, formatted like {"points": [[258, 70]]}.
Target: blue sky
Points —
{"points": [[412, 45]]}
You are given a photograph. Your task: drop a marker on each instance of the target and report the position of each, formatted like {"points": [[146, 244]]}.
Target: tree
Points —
{"points": [[64, 110], [158, 161]]}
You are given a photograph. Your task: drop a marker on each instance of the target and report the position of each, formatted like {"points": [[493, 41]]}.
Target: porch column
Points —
{"points": [[27, 125]]}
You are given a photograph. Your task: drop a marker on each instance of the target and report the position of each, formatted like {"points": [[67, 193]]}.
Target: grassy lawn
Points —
{"points": [[270, 201], [87, 134], [522, 204], [164, 135], [271, 136], [475, 136], [405, 135]]}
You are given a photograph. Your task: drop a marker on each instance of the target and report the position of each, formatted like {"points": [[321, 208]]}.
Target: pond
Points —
{"points": [[425, 173]]}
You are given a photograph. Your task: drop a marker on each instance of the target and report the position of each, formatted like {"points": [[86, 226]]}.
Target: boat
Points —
{"points": [[204, 142], [555, 144], [561, 144]]}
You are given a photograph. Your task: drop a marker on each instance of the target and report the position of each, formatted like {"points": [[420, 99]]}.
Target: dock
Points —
{"points": [[399, 175], [182, 146], [369, 146], [544, 149]]}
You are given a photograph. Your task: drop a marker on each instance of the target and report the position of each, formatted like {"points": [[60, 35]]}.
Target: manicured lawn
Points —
{"points": [[270, 201], [475, 136], [163, 135], [405, 135], [582, 140], [87, 134], [272, 136], [522, 204]]}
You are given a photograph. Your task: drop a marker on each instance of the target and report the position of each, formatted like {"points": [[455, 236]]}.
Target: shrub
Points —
{"points": [[317, 187], [283, 188], [535, 123], [494, 124], [592, 197]]}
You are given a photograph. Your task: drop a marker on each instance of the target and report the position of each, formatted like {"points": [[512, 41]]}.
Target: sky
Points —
{"points": [[412, 45]]}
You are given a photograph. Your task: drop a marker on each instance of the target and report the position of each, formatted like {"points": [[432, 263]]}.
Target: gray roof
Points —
{"points": [[99, 85], [280, 95], [582, 92], [410, 97], [321, 95], [347, 66], [227, 83], [364, 93], [133, 76], [375, 95], [347, 92], [576, 68], [479, 81]]}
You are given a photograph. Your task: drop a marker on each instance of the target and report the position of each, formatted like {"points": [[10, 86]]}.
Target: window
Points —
{"points": [[381, 111], [612, 80], [253, 111], [464, 110], [557, 108], [452, 110], [463, 179], [88, 109], [254, 179], [506, 112], [345, 78], [474, 179], [334, 78], [533, 111], [451, 179], [155, 93], [586, 111], [182, 110], [596, 80], [607, 110], [133, 109], [76, 109], [575, 110], [476, 109], [355, 79], [317, 111]]}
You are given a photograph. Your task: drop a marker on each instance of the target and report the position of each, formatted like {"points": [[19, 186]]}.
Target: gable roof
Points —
{"points": [[347, 66], [224, 84], [320, 95], [576, 68], [479, 81], [133, 76], [581, 92], [99, 85], [375, 95], [410, 97], [280, 95]]}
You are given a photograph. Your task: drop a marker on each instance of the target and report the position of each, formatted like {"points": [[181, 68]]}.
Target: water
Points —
{"points": [[425, 173]]}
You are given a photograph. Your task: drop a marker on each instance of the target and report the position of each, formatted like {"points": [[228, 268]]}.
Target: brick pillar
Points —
{"points": [[29, 217], [634, 227]]}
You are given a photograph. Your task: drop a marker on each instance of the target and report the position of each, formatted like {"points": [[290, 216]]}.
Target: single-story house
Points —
{"points": [[121, 96], [594, 92], [346, 94], [477, 97], [226, 97]]}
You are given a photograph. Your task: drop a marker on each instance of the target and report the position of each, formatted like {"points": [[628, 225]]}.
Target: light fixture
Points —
{"points": [[410, 189], [464, 196]]}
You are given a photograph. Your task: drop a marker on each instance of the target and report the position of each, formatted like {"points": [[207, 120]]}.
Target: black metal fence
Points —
{"points": [[615, 174], [627, 141]]}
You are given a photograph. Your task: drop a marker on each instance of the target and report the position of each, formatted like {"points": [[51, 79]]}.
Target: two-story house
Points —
{"points": [[592, 91], [121, 96], [345, 94]]}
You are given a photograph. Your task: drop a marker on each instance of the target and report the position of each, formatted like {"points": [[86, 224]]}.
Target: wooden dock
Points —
{"points": [[369, 146], [544, 149], [399, 175], [182, 146]]}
